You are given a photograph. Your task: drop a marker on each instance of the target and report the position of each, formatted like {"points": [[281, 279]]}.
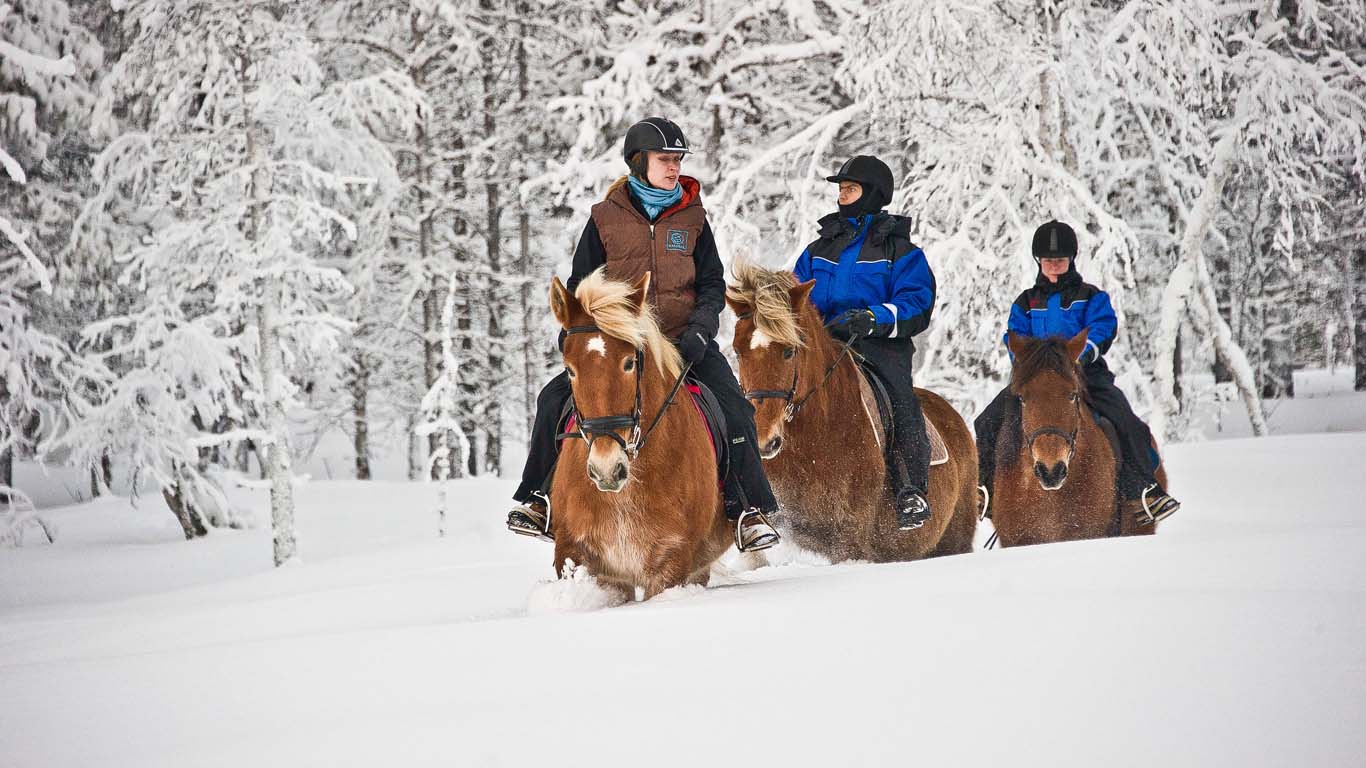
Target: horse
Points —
{"points": [[821, 437], [642, 507], [1056, 469]]}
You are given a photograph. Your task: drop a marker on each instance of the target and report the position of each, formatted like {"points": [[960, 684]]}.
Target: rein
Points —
{"points": [[787, 395], [607, 426]]}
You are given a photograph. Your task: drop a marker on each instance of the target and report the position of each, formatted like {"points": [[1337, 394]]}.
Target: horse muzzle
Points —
{"points": [[1051, 478], [610, 478], [771, 448]]}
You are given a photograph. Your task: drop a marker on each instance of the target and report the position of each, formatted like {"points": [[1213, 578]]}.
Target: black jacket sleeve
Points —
{"points": [[709, 284], [588, 255]]}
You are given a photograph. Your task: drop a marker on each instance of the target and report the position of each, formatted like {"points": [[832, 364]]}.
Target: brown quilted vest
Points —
{"points": [[664, 249]]}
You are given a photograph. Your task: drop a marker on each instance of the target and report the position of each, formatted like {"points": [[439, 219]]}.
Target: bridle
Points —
{"points": [[589, 430], [787, 395], [1070, 437]]}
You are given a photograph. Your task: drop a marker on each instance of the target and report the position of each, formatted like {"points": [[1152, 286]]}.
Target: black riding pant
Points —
{"points": [[908, 455], [1138, 461], [746, 485]]}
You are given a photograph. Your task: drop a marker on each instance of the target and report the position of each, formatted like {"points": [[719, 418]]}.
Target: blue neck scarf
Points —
{"points": [[653, 199]]}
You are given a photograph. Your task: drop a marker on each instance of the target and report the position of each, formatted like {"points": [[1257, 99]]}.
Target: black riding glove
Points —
{"points": [[693, 344], [853, 324]]}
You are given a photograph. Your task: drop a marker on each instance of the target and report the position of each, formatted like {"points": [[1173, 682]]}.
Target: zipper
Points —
{"points": [[654, 269]]}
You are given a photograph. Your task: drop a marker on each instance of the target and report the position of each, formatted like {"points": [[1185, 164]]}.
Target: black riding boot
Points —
{"points": [[908, 455], [531, 517], [748, 496]]}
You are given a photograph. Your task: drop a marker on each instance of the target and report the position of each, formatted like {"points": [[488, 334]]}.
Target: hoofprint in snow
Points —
{"points": [[1234, 637]]}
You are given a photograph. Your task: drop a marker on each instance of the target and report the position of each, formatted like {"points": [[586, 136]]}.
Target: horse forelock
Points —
{"points": [[609, 302], [1046, 355], [766, 291]]}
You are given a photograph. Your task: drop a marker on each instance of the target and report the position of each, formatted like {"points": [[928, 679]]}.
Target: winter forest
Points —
{"points": [[230, 228]]}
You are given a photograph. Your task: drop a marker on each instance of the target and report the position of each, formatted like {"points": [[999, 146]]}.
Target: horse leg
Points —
{"points": [[672, 566]]}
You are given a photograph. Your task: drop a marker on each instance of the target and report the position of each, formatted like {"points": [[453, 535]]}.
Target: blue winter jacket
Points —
{"points": [[870, 262], [1063, 309]]}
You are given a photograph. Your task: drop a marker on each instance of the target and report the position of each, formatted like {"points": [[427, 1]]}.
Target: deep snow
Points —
{"points": [[1234, 637]]}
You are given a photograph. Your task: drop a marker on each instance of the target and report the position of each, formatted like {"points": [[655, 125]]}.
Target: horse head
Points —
{"points": [[1048, 382], [611, 335], [769, 306]]}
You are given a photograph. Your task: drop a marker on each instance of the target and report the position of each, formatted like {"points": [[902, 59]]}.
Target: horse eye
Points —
{"points": [[1072, 397], [789, 352], [1020, 398], [569, 371], [629, 365]]}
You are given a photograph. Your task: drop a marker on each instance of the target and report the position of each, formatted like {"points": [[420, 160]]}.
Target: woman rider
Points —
{"points": [[875, 289], [652, 220], [1060, 303]]}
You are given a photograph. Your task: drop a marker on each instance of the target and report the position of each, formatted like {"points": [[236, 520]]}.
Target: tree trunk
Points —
{"points": [[191, 522], [360, 392], [1358, 279], [6, 473], [493, 413], [277, 455]]}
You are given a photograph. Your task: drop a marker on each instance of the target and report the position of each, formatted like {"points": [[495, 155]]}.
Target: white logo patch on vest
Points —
{"points": [[596, 344]]}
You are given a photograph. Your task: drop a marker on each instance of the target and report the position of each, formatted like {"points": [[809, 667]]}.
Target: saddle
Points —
{"points": [[708, 409], [939, 453]]}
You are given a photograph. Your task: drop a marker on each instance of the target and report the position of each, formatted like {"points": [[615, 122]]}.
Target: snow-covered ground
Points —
{"points": [[1237, 636]]}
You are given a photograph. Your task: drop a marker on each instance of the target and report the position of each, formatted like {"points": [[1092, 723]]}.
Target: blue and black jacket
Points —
{"points": [[1063, 309], [870, 262]]}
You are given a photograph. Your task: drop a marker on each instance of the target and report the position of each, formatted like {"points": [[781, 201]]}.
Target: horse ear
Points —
{"points": [[639, 292], [1016, 343], [559, 301], [799, 293], [1077, 345]]}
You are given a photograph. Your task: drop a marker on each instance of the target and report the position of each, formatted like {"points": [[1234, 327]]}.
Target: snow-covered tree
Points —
{"points": [[47, 67], [232, 176]]}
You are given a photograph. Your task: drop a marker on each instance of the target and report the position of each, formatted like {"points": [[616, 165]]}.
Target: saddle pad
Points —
{"points": [[939, 453]]}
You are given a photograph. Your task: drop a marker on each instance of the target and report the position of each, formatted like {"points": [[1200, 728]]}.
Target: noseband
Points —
{"points": [[606, 426], [1070, 437]]}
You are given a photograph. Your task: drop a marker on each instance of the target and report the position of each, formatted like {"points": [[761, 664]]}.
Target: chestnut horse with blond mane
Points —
{"points": [[822, 443], [636, 498], [1056, 468]]}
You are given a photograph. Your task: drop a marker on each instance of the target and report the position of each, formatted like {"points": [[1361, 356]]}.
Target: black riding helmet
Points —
{"points": [[874, 176], [1055, 240], [653, 134]]}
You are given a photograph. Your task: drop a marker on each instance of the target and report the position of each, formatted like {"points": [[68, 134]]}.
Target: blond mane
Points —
{"points": [[609, 303], [766, 290]]}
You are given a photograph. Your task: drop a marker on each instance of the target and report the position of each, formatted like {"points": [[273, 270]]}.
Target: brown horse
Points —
{"points": [[822, 440], [1056, 469], [636, 499]]}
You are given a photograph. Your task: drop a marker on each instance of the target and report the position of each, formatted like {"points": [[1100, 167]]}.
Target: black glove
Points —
{"points": [[853, 324], [693, 344]]}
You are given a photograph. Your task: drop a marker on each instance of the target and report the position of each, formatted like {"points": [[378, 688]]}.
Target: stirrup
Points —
{"points": [[526, 520], [909, 520], [1162, 509], [758, 536]]}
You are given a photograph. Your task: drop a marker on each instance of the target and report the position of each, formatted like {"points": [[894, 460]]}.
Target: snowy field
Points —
{"points": [[1237, 636]]}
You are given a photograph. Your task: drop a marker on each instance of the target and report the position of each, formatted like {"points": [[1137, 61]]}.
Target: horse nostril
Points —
{"points": [[620, 474], [773, 446]]}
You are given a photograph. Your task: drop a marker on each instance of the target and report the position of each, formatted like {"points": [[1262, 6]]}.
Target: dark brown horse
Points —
{"points": [[1056, 468], [822, 445], [636, 502]]}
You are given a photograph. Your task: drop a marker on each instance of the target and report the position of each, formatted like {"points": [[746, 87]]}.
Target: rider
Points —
{"points": [[652, 221], [1061, 304], [875, 290]]}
